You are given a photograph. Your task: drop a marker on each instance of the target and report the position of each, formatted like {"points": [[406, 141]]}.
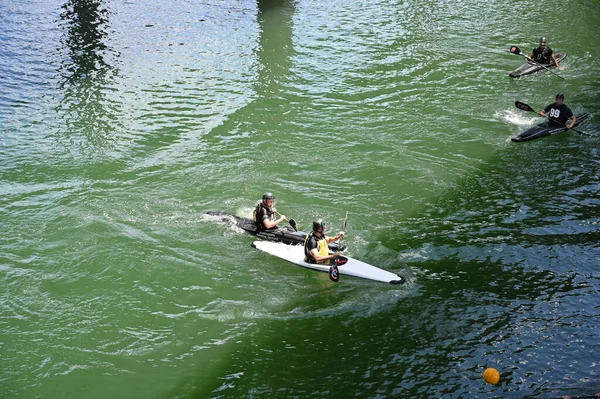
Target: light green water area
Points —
{"points": [[122, 123]]}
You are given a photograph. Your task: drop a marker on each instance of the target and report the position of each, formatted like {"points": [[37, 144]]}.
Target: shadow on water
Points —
{"points": [[513, 250], [85, 73], [513, 225], [274, 54]]}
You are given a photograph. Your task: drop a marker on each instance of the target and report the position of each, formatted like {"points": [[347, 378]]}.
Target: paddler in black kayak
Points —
{"points": [[316, 249], [543, 54], [559, 113], [264, 213]]}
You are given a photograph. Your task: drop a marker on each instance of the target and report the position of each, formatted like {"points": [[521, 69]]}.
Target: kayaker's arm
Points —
{"points": [[269, 224], [573, 121], [322, 258], [335, 238], [554, 61]]}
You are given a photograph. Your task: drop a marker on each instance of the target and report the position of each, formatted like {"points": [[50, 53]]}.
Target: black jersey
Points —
{"points": [[542, 56], [558, 114]]}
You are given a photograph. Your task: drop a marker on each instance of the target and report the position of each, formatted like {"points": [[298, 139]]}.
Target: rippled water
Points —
{"points": [[122, 123]]}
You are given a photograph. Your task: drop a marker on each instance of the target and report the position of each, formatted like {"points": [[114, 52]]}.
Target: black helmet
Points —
{"points": [[560, 96], [317, 224], [543, 40], [268, 196]]}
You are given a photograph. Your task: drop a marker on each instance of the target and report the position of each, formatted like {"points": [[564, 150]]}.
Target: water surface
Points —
{"points": [[122, 123]]}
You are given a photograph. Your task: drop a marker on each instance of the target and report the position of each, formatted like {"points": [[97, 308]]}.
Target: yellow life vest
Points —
{"points": [[322, 248]]}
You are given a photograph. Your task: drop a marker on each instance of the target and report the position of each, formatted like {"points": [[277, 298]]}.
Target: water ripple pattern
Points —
{"points": [[122, 123]]}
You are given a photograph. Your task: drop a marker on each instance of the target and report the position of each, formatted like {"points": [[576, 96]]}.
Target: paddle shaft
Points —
{"points": [[345, 221], [345, 224], [334, 274]]}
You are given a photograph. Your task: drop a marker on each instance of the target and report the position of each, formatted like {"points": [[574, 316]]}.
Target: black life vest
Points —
{"points": [[258, 211]]}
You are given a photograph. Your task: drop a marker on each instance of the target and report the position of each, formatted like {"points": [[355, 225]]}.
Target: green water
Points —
{"points": [[122, 123]]}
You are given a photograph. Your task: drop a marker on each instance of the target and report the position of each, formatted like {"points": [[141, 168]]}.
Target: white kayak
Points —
{"points": [[353, 267]]}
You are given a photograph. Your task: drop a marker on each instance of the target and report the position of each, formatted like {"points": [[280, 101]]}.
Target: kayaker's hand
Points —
{"points": [[335, 255], [340, 235], [282, 217]]}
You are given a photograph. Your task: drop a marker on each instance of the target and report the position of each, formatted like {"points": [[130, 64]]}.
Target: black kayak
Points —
{"points": [[285, 234], [543, 130], [531, 67]]}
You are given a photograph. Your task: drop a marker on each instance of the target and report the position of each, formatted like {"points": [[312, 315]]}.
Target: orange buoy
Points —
{"points": [[491, 376]]}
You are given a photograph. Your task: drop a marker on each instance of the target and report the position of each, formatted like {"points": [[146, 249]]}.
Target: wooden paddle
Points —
{"points": [[517, 51], [526, 107]]}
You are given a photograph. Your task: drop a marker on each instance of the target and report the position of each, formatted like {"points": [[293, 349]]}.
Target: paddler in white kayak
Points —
{"points": [[264, 213], [316, 248]]}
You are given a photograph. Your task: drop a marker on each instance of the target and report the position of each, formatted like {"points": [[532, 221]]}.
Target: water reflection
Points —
{"points": [[274, 53], [276, 46], [85, 23], [85, 72]]}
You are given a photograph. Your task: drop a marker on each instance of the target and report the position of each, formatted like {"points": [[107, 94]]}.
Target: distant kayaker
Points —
{"points": [[543, 54], [559, 113], [316, 248], [264, 213]]}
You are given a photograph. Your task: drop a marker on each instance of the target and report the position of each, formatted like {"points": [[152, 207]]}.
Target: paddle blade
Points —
{"points": [[515, 50], [334, 273], [523, 106], [293, 224]]}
